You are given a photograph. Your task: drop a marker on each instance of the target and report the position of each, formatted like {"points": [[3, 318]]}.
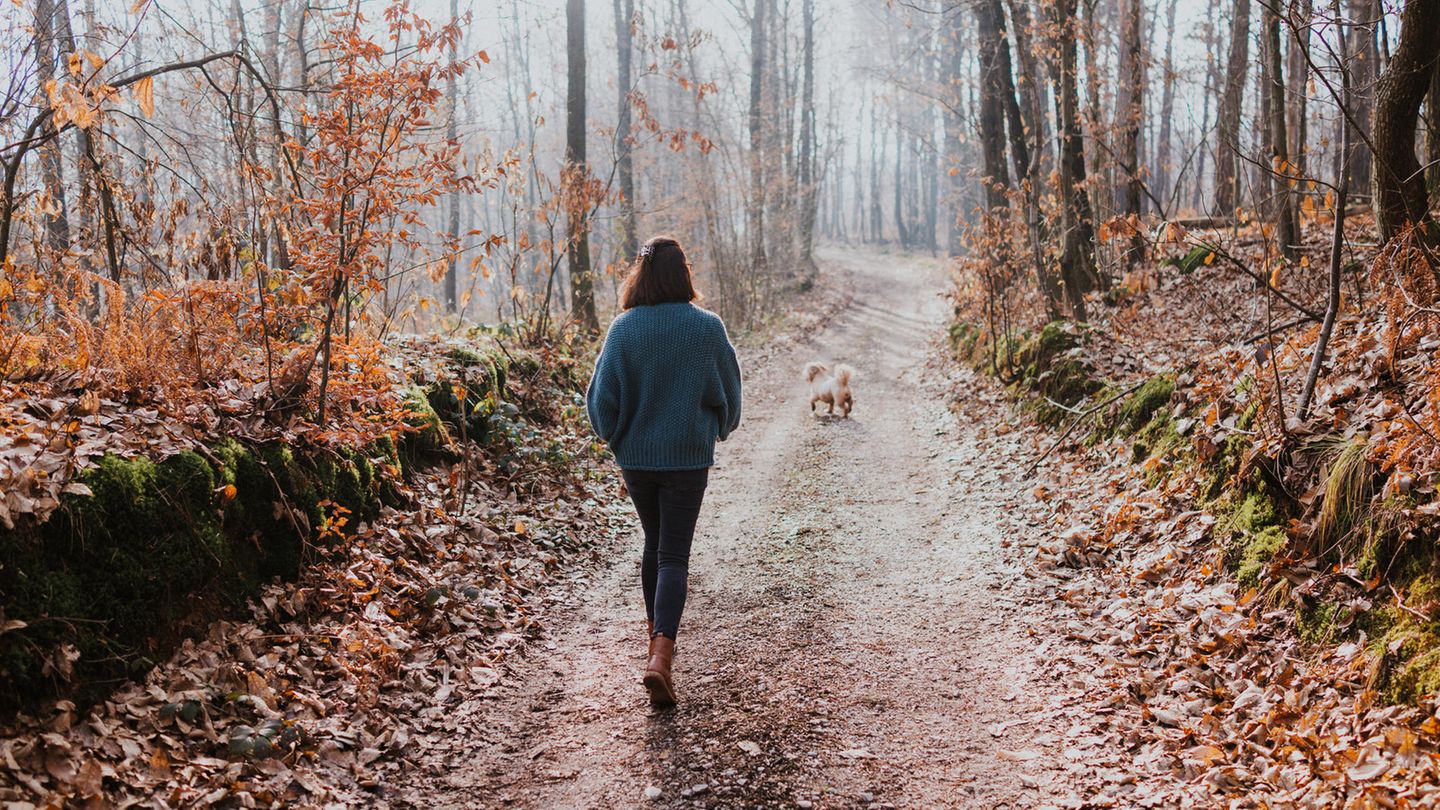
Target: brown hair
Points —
{"points": [[661, 275]]}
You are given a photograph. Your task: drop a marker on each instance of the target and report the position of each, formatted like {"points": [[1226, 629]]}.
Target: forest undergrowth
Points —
{"points": [[1259, 589]]}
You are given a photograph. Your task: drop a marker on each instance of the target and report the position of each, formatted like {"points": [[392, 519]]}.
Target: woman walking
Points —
{"points": [[666, 388]]}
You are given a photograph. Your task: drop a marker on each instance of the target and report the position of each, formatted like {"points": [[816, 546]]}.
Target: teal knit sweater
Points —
{"points": [[666, 387]]}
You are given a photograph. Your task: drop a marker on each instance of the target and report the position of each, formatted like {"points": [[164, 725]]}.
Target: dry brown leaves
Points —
{"points": [[1197, 695], [315, 698]]}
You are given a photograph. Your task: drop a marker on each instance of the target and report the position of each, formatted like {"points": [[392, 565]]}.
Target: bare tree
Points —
{"points": [[624, 21], [1167, 112], [1227, 152], [807, 144], [452, 231], [1077, 261], [1287, 228], [582, 283], [1129, 116], [756, 207]]}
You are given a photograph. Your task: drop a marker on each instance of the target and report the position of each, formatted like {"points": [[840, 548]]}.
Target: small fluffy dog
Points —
{"points": [[831, 387]]}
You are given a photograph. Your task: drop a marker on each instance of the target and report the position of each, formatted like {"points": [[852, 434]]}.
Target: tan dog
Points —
{"points": [[832, 388]]}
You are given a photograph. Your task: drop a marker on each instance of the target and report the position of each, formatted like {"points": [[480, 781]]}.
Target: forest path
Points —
{"points": [[851, 636]]}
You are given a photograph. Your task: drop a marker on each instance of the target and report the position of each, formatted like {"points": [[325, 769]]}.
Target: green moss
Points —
{"points": [[1418, 676], [1252, 530], [1258, 549], [1047, 367], [428, 433], [963, 340], [1323, 622], [1189, 262], [1140, 407], [465, 356], [159, 547]]}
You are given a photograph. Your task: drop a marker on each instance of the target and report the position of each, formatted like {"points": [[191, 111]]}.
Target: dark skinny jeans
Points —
{"points": [[668, 504]]}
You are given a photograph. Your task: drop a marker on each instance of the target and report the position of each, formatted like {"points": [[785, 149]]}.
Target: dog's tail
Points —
{"points": [[843, 373], [813, 370]]}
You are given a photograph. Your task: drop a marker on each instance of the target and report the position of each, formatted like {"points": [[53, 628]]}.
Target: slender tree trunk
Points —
{"points": [[57, 224], [953, 47], [756, 216], [84, 231], [990, 122], [1077, 262], [1365, 61], [1129, 116], [1212, 89], [1287, 230], [807, 144], [1005, 86], [901, 232], [582, 283], [1167, 114], [452, 234], [1400, 197], [1337, 240], [624, 19], [1227, 150], [1432, 135], [1298, 73]]}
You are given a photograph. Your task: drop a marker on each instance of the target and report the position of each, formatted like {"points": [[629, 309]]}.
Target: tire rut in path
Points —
{"points": [[846, 639]]}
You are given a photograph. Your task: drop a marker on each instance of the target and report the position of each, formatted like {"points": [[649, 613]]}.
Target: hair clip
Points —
{"points": [[646, 249]]}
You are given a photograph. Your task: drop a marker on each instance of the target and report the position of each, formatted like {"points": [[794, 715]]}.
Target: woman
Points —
{"points": [[666, 387]]}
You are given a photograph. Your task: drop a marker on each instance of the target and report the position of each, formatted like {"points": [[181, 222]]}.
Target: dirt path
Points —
{"points": [[852, 637]]}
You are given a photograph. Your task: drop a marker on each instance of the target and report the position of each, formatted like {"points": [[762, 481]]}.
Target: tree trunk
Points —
{"points": [[1005, 86], [756, 213], [1364, 69], [953, 47], [1167, 112], [452, 282], [582, 283], [1337, 240], [1077, 262], [1432, 135], [1287, 230], [1400, 197], [990, 122], [84, 232], [1129, 116], [1298, 72], [57, 225], [624, 19], [1212, 89], [901, 232], [1032, 87], [807, 144], [1227, 150]]}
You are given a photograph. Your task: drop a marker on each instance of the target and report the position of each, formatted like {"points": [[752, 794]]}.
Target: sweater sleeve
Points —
{"points": [[602, 398], [728, 367]]}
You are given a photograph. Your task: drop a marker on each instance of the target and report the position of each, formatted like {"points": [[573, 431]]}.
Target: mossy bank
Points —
{"points": [[145, 552], [1262, 528]]}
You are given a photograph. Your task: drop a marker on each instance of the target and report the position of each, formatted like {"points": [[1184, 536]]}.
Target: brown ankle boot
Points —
{"points": [[649, 628], [657, 671]]}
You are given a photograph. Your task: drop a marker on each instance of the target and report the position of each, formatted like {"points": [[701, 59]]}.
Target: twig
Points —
{"points": [[1076, 422], [1274, 330]]}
